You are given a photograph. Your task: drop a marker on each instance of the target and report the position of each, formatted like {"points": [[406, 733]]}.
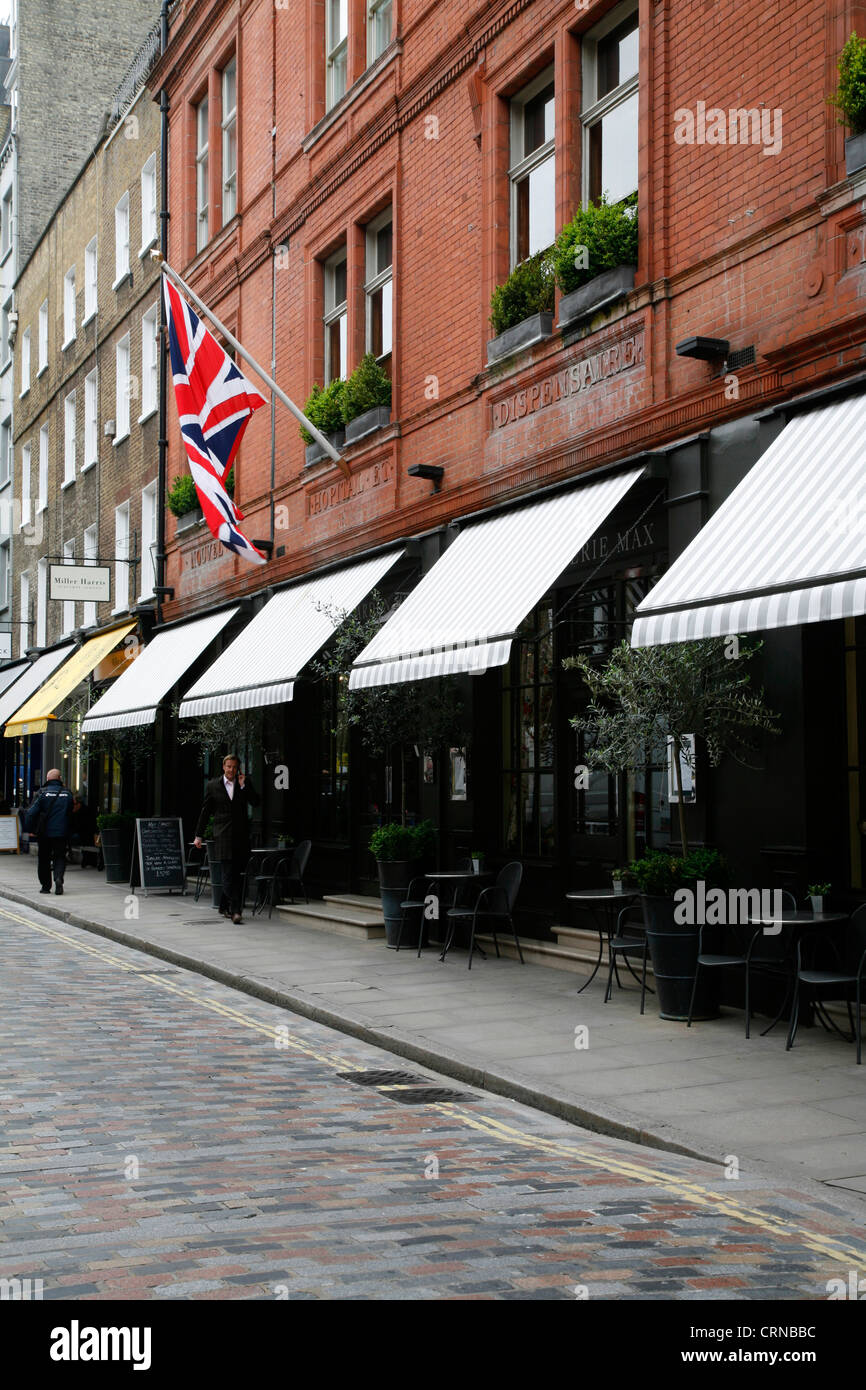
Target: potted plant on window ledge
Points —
{"points": [[325, 410], [182, 501], [849, 99], [521, 308], [366, 399], [595, 258]]}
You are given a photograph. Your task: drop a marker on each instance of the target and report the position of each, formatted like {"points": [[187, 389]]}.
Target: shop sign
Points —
{"points": [[89, 582], [571, 380], [347, 488], [203, 555], [622, 542]]}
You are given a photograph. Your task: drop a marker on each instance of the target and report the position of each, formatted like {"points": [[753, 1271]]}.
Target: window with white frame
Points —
{"points": [[533, 168], [148, 362], [5, 341], [6, 223], [42, 491], [148, 203], [5, 574], [148, 540], [378, 28], [121, 239], [91, 553], [43, 336], [610, 106], [122, 389], [91, 558], [379, 288], [68, 604], [202, 176], [69, 306], [91, 270], [23, 613], [69, 438], [5, 450], [91, 419], [337, 46], [42, 603], [336, 321], [230, 140], [25, 361], [25, 486], [121, 558]]}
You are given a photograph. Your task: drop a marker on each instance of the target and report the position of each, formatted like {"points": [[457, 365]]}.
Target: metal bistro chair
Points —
{"points": [[416, 902], [743, 958], [202, 878], [623, 945], [281, 872], [851, 974], [494, 904]]}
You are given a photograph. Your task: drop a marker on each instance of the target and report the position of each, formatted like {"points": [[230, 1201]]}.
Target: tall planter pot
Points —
{"points": [[216, 874], [117, 854], [673, 948], [395, 875]]}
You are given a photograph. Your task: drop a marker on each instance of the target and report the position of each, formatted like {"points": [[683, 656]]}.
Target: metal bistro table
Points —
{"points": [[458, 877], [604, 905], [793, 922]]}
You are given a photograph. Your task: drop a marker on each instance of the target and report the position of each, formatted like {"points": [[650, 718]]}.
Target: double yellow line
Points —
{"points": [[680, 1187]]}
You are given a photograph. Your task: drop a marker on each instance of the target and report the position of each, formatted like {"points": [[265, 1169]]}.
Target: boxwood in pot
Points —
{"points": [[400, 851], [116, 838], [673, 944]]}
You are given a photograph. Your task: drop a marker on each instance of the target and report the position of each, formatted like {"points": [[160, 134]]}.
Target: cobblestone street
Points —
{"points": [[170, 1138]]}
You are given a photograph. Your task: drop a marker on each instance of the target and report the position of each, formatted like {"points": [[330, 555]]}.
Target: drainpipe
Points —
{"points": [[163, 356]]}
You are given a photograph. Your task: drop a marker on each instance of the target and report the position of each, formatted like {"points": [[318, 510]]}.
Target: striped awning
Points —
{"points": [[261, 665], [30, 679], [34, 714], [787, 546], [464, 614], [135, 696]]}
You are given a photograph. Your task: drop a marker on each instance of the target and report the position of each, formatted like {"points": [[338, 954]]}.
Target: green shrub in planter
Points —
{"points": [[659, 874], [528, 290], [599, 237], [324, 409], [398, 842], [368, 387], [116, 820], [182, 496], [849, 97]]}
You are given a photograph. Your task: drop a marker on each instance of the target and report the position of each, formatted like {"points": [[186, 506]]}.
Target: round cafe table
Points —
{"points": [[791, 923], [457, 877], [603, 904]]}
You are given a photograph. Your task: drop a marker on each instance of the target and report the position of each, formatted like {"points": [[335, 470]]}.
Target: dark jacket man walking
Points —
{"points": [[227, 799], [49, 819]]}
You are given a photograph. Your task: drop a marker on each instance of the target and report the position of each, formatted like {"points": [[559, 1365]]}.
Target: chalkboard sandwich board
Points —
{"points": [[9, 834], [160, 862]]}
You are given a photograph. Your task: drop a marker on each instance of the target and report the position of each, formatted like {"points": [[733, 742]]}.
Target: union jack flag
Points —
{"points": [[215, 402]]}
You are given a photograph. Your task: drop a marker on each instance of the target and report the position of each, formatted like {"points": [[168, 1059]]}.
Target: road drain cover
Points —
{"points": [[382, 1078], [429, 1095], [153, 972]]}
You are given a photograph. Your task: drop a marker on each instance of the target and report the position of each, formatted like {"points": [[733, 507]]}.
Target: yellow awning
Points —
{"points": [[34, 715]]}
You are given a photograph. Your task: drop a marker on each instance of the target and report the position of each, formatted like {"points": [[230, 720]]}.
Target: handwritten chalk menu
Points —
{"points": [[9, 834], [160, 862]]}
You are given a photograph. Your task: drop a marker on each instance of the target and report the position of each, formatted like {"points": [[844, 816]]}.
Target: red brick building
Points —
{"points": [[346, 176]]}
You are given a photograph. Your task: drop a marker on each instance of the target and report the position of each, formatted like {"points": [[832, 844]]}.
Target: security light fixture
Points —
{"points": [[266, 547], [432, 471], [705, 349]]}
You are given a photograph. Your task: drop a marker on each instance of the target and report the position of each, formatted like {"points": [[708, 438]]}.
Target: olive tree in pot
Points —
{"points": [[641, 699], [400, 852]]}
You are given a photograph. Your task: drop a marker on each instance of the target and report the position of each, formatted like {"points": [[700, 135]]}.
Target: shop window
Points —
{"points": [[333, 799], [337, 45], [528, 804], [336, 322], [610, 108], [379, 288], [533, 168]]}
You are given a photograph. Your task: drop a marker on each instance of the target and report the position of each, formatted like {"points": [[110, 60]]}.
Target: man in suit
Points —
{"points": [[227, 799], [49, 818]]}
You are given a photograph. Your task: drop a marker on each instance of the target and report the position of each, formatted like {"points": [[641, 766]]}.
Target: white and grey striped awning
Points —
{"points": [[262, 663], [134, 698], [465, 612], [787, 546], [30, 678]]}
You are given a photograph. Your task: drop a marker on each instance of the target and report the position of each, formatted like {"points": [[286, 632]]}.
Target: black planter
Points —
{"points": [[596, 294], [673, 948], [395, 875], [117, 854], [368, 423], [216, 875], [314, 453], [519, 337], [855, 153]]}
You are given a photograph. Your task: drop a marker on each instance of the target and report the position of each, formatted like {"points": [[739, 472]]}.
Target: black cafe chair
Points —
{"points": [[849, 977], [493, 905], [281, 875], [414, 905], [630, 939], [745, 956]]}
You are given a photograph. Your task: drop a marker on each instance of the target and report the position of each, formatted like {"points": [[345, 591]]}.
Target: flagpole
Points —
{"points": [[299, 415]]}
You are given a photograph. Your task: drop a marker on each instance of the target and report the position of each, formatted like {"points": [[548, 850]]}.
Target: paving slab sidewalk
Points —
{"points": [[516, 1030]]}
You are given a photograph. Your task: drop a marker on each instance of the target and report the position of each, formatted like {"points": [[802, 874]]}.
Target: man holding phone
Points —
{"points": [[227, 799]]}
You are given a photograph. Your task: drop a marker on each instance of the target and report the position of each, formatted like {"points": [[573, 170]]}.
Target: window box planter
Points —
{"points": [[855, 153], [189, 519], [314, 453], [605, 289], [521, 336], [371, 420]]}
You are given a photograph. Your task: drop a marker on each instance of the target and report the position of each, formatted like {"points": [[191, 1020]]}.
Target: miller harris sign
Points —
{"points": [[579, 376]]}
